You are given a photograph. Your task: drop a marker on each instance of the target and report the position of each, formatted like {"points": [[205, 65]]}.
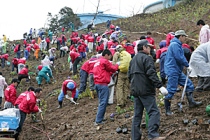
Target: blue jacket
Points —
{"points": [[175, 59], [45, 70]]}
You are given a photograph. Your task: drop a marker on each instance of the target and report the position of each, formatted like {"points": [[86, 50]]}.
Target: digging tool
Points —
{"points": [[42, 121], [183, 92]]}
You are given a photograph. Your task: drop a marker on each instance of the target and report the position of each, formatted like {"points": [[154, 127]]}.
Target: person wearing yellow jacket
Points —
{"points": [[4, 38], [122, 58]]}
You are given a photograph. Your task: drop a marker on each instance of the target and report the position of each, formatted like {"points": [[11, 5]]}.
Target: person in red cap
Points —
{"points": [[10, 94], [3, 58]]}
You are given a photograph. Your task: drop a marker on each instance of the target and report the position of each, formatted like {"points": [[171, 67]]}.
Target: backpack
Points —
{"points": [[125, 59]]}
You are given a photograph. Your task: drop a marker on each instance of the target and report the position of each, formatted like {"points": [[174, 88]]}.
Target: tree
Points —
{"points": [[66, 15], [53, 22]]}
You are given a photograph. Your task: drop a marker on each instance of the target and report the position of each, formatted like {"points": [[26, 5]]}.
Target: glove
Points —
{"points": [[157, 61], [40, 111], [118, 63], [189, 69], [163, 90], [67, 96]]}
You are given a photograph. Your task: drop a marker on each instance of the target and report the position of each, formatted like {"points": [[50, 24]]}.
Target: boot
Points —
{"points": [[91, 94], [167, 104], [191, 101], [60, 104]]}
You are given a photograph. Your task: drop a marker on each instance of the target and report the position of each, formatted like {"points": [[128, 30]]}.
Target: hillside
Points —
{"points": [[75, 122]]}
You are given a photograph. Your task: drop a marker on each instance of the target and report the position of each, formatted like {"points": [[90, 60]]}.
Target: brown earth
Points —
{"points": [[76, 122]]}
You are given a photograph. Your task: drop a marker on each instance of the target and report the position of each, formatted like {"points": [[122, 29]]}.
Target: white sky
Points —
{"points": [[18, 16]]}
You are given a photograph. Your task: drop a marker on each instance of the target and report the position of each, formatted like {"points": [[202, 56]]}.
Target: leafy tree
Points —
{"points": [[67, 15], [53, 22]]}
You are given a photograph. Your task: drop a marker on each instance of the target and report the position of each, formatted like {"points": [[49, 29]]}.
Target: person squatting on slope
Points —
{"points": [[142, 72], [24, 74], [75, 59], [27, 106], [45, 73], [68, 85], [173, 67], [102, 72], [122, 58], [2, 84], [3, 58], [10, 94], [199, 63]]}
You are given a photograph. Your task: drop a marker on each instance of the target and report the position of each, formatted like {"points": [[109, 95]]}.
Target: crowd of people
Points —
{"points": [[114, 62]]}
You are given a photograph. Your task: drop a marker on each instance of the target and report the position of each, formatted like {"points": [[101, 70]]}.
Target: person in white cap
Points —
{"points": [[173, 67]]}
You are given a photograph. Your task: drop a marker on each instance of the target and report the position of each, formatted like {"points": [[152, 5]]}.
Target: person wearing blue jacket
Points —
{"points": [[45, 73], [173, 67]]}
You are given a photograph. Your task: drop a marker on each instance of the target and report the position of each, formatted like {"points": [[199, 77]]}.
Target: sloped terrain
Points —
{"points": [[76, 121]]}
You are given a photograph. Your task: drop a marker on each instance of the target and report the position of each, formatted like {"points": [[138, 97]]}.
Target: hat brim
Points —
{"points": [[150, 45]]}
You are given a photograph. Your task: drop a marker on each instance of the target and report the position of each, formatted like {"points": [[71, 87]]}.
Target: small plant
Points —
{"points": [[13, 73], [43, 105]]}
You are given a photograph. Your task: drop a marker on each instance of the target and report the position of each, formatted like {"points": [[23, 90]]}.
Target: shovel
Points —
{"points": [[183, 93]]}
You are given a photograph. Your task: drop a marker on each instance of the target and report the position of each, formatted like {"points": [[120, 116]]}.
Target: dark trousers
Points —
{"points": [[203, 83], [48, 45], [149, 103], [62, 53], [76, 62], [21, 76], [15, 66], [2, 62], [83, 81], [22, 119]]}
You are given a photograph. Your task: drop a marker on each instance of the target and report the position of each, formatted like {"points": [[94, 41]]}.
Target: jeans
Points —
{"points": [[162, 60], [22, 119], [103, 96], [76, 62], [62, 53], [149, 103], [83, 81], [174, 80], [82, 55], [2, 62], [91, 82], [18, 54], [26, 54]]}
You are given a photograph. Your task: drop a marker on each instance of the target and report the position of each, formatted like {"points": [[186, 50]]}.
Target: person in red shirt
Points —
{"points": [[100, 48], [102, 72], [130, 48], [98, 39], [23, 74], [90, 43], [10, 94], [84, 71], [21, 63], [48, 42], [82, 49], [15, 64], [75, 59], [68, 85], [72, 47], [27, 51], [27, 106], [3, 58], [169, 37], [25, 43]]}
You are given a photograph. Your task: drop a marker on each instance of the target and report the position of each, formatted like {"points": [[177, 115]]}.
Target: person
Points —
{"points": [[75, 59], [17, 50], [160, 58], [4, 38], [102, 72], [48, 42], [2, 84], [84, 71], [124, 58], [199, 63], [63, 51], [52, 54], [129, 48], [90, 40], [27, 51], [4, 47], [10, 94], [100, 47], [21, 63], [27, 106], [173, 67], [169, 37], [108, 23], [142, 72], [36, 50], [204, 34], [82, 49], [151, 41], [3, 58], [23, 74], [68, 85], [45, 73], [15, 64]]}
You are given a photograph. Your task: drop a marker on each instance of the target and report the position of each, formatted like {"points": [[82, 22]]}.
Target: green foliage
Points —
{"points": [[13, 73], [120, 110], [43, 105], [85, 94]]}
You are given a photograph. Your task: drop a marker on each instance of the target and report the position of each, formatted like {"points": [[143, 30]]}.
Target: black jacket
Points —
{"points": [[143, 76]]}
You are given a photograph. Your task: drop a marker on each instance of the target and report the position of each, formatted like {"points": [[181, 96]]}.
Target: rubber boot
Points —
{"points": [[167, 104], [191, 101], [91, 94], [60, 104]]}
